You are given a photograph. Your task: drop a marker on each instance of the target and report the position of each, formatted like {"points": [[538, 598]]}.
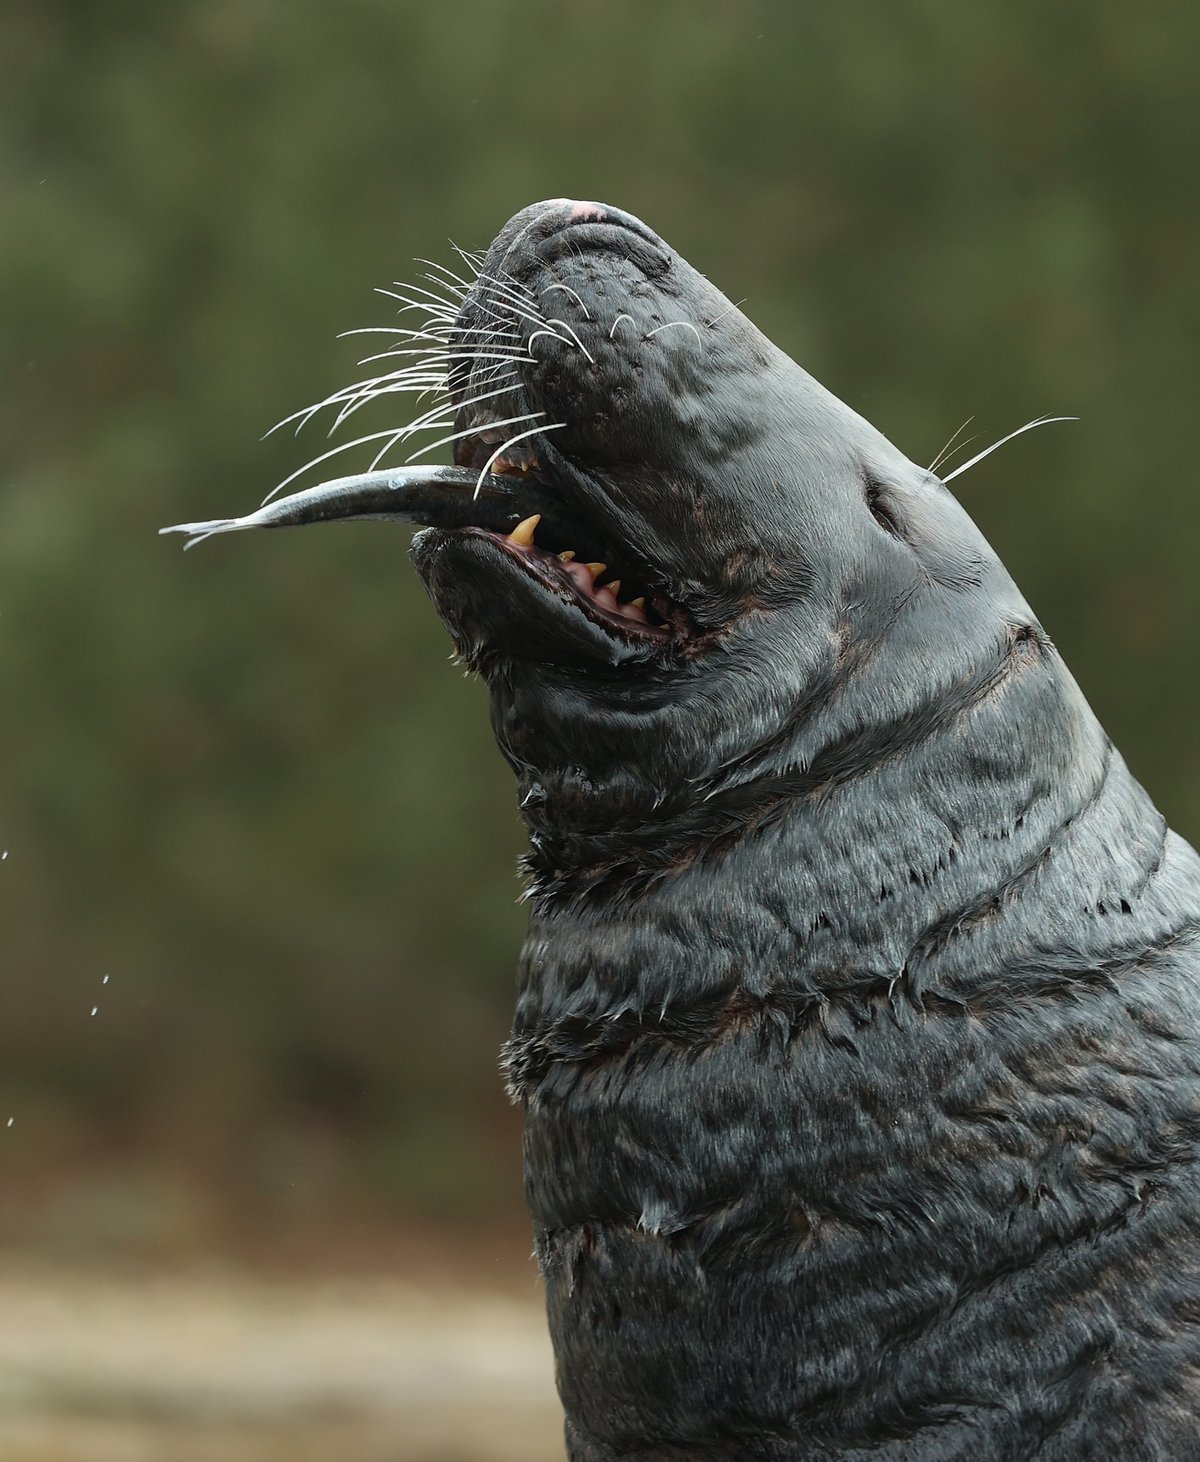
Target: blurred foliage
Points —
{"points": [[245, 785]]}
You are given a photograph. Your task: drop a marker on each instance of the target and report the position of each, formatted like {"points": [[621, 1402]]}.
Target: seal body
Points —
{"points": [[872, 1134], [858, 1022], [857, 1032]]}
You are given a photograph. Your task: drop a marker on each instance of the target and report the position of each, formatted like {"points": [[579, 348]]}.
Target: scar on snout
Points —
{"points": [[591, 211]]}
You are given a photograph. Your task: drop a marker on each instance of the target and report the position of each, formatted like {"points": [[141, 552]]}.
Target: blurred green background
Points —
{"points": [[250, 813]]}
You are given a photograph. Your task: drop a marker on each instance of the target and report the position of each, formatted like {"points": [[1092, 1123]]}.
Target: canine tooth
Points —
{"points": [[639, 603], [522, 534], [614, 585], [567, 555], [596, 569]]}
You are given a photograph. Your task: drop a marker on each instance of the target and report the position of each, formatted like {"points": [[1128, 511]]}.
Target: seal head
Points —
{"points": [[775, 537]]}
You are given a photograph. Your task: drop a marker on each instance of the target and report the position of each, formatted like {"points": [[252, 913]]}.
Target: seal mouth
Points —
{"points": [[613, 595]]}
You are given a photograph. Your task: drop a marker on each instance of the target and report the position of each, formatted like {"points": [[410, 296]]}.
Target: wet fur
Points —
{"points": [[857, 1027]]}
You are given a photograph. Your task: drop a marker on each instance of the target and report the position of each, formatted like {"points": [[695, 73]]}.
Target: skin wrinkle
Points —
{"points": [[989, 905], [858, 1024], [985, 901], [694, 1029], [772, 798]]}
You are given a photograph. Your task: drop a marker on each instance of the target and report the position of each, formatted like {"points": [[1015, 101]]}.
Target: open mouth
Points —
{"points": [[553, 552]]}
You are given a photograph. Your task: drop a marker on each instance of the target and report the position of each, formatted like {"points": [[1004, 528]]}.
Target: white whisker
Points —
{"points": [[736, 305], [447, 313], [473, 431], [422, 423], [455, 279], [386, 448], [618, 320], [502, 320], [446, 355], [439, 300], [534, 315], [418, 373], [506, 326], [508, 290], [324, 457], [987, 451], [933, 466], [400, 330], [566, 288], [687, 325], [575, 337], [436, 318], [416, 376], [457, 288], [512, 441], [418, 360], [553, 334], [384, 387], [308, 412], [505, 284]]}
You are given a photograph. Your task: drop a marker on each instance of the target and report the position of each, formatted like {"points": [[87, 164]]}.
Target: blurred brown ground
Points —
{"points": [[219, 1365]]}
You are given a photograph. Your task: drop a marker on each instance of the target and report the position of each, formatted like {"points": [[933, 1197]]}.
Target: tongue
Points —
{"points": [[437, 497]]}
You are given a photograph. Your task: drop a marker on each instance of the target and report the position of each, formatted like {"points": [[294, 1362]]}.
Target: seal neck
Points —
{"points": [[847, 903]]}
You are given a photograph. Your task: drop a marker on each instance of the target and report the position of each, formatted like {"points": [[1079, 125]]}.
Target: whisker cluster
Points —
{"points": [[431, 356], [425, 354], [946, 451]]}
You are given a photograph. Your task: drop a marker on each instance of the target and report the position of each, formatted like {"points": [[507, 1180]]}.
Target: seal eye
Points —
{"points": [[880, 508]]}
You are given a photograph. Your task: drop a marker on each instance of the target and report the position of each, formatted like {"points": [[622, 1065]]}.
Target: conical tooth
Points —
{"points": [[567, 555], [522, 534], [638, 603], [614, 585], [596, 569]]}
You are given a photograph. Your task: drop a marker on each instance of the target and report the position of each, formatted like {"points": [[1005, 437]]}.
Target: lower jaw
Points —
{"points": [[497, 606]]}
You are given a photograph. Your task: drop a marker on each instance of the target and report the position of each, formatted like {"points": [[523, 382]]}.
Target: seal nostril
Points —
{"points": [[607, 228]]}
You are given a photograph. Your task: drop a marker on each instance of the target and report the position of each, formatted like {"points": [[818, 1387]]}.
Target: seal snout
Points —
{"points": [[541, 231]]}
